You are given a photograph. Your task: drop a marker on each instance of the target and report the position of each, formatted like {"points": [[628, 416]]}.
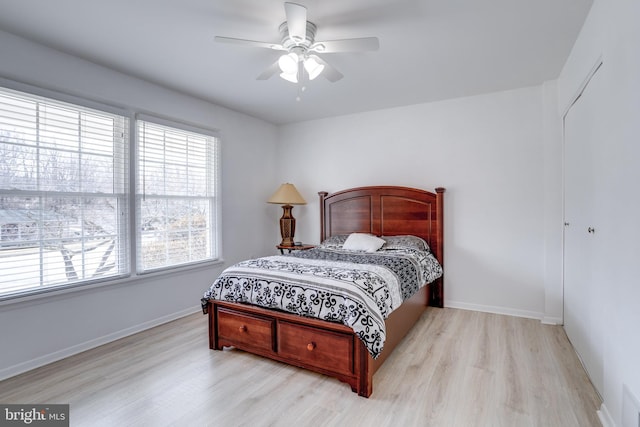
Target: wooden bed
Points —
{"points": [[331, 348]]}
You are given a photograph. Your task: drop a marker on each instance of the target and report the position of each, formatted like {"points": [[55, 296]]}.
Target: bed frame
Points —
{"points": [[331, 348]]}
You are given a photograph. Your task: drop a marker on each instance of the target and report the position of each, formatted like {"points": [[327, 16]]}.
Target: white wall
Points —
{"points": [[612, 33], [488, 152], [38, 331]]}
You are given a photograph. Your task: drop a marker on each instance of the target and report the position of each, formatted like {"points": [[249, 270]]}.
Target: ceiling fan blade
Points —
{"points": [[266, 74], [249, 43], [329, 72], [296, 21], [346, 45]]}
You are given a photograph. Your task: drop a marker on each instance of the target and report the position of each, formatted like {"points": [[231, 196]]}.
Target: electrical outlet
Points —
{"points": [[630, 408]]}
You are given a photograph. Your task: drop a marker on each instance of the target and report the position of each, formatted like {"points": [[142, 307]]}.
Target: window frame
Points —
{"points": [[131, 232], [214, 232]]}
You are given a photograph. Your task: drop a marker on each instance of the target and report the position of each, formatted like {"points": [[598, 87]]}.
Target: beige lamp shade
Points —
{"points": [[287, 195]]}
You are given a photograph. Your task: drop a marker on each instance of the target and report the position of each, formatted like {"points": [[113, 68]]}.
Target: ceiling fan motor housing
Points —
{"points": [[294, 44]]}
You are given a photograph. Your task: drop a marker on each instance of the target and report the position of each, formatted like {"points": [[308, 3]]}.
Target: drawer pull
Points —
{"points": [[311, 346], [242, 328]]}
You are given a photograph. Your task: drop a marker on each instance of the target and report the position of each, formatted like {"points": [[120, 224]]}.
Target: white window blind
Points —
{"points": [[63, 194], [176, 198]]}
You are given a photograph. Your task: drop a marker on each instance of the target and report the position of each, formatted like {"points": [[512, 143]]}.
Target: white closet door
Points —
{"points": [[583, 137]]}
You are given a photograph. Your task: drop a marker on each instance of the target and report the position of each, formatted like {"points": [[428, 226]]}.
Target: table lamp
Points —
{"points": [[287, 195]]}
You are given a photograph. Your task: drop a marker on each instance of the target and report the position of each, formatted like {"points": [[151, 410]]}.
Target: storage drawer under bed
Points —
{"points": [[322, 349], [246, 331]]}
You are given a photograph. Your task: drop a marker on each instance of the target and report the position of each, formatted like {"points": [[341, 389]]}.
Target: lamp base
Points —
{"points": [[287, 226]]}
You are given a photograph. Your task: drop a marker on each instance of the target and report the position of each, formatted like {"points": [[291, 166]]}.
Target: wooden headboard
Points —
{"points": [[387, 211]]}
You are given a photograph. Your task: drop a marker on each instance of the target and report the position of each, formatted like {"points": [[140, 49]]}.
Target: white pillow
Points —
{"points": [[363, 242]]}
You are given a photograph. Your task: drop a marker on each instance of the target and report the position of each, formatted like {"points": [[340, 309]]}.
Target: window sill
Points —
{"points": [[54, 292]]}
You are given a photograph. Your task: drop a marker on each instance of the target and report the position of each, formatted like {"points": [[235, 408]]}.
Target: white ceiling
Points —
{"points": [[429, 49]]}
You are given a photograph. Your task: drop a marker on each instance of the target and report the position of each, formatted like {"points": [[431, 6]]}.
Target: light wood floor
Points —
{"points": [[455, 368]]}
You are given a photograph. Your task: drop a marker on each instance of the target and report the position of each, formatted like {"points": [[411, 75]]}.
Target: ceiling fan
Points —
{"points": [[298, 41]]}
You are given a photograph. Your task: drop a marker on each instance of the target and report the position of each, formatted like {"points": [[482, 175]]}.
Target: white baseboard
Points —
{"points": [[79, 348], [495, 310], [605, 417], [550, 320]]}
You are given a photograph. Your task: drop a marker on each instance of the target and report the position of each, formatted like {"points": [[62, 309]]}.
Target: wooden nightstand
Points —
{"points": [[302, 247]]}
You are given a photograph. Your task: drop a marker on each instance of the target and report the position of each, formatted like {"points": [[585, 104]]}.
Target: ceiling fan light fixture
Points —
{"points": [[291, 77], [313, 67], [288, 63]]}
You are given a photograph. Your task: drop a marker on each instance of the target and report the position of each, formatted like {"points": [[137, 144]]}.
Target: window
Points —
{"points": [[176, 197], [63, 194], [65, 202]]}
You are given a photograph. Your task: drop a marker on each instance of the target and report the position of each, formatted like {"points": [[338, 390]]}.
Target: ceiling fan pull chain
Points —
{"points": [[301, 88]]}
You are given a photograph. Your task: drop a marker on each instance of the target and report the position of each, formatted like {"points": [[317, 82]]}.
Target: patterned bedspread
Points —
{"points": [[356, 289]]}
